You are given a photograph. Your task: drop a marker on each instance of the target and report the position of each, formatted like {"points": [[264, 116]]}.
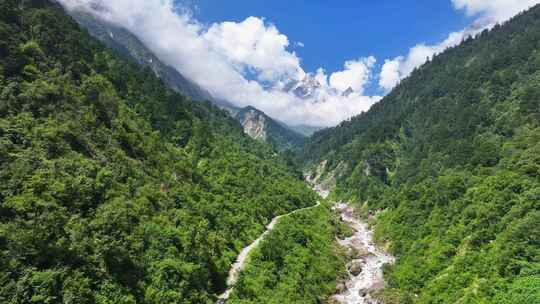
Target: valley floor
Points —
{"points": [[367, 260], [364, 275]]}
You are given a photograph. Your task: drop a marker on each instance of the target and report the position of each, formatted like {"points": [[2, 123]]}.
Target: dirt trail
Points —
{"points": [[368, 264], [243, 257]]}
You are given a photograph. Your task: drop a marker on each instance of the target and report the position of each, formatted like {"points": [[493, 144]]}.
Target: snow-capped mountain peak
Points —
{"points": [[305, 88]]}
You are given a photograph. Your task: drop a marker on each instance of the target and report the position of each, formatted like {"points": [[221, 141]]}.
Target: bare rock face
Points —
{"points": [[341, 287], [261, 127], [254, 125], [355, 268], [304, 89]]}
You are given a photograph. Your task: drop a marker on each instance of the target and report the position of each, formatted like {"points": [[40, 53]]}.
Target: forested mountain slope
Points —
{"points": [[127, 44], [260, 126], [114, 188], [451, 158], [279, 136]]}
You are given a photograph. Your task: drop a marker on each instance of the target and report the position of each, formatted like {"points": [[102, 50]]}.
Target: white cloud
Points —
{"points": [[489, 12], [321, 77], [390, 74], [494, 10], [394, 70], [356, 75], [245, 63], [253, 44]]}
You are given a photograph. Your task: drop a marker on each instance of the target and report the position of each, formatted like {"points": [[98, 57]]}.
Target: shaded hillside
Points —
{"points": [[114, 188], [305, 129], [127, 44], [261, 127], [453, 157]]}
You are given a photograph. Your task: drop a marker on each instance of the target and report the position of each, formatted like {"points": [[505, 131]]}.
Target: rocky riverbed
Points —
{"points": [[367, 260]]}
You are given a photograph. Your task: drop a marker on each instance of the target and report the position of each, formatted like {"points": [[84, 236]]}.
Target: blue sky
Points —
{"points": [[336, 31], [355, 51]]}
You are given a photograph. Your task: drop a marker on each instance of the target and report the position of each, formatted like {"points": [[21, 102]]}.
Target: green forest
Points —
{"points": [[450, 160], [298, 263], [114, 188]]}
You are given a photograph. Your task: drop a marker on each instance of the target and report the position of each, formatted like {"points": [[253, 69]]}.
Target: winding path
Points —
{"points": [[357, 289], [243, 257]]}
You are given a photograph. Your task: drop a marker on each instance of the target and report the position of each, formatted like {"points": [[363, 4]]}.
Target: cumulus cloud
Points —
{"points": [[254, 44], [321, 77], [394, 70], [494, 10], [245, 63], [390, 73], [488, 12], [356, 75]]}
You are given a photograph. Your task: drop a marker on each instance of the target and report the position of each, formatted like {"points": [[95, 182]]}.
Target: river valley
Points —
{"points": [[365, 274], [365, 268]]}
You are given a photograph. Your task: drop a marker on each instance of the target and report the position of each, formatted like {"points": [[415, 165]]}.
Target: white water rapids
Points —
{"points": [[357, 289]]}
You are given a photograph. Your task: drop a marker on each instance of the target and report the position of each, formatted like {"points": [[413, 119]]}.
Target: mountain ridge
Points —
{"points": [[121, 40], [127, 44], [260, 126], [448, 161]]}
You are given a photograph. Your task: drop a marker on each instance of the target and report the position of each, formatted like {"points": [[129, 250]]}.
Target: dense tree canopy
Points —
{"points": [[299, 262], [113, 188], [116, 189], [451, 157]]}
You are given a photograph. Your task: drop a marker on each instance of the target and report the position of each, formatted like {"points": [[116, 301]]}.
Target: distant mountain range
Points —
{"points": [[305, 88], [305, 129], [256, 124], [309, 88]]}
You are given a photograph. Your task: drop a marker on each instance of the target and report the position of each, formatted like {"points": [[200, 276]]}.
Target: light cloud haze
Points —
{"points": [[488, 13], [252, 63], [356, 75], [245, 63]]}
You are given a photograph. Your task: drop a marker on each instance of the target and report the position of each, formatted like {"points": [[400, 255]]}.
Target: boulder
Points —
{"points": [[355, 268], [332, 301], [354, 253], [341, 287]]}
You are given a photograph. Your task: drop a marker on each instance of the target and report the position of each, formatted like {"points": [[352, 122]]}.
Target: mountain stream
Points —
{"points": [[364, 270]]}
